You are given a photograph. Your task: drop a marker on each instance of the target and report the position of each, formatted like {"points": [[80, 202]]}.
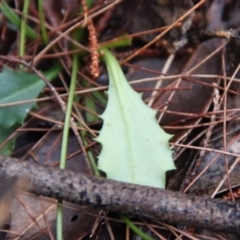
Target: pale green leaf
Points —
{"points": [[135, 148]]}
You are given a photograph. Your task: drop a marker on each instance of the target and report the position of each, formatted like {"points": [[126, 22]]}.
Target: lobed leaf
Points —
{"points": [[135, 148]]}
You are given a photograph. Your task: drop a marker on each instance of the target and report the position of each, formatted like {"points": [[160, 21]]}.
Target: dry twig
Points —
{"points": [[172, 207]]}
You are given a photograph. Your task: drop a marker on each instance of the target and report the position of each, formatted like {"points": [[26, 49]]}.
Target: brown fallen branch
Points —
{"points": [[159, 204]]}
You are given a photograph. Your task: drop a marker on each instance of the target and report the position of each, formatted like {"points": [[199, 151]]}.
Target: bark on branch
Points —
{"points": [[159, 204]]}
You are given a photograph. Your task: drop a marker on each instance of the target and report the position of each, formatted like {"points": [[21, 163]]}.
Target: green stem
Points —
{"points": [[41, 19], [68, 112], [90, 155], [15, 20], [65, 138], [23, 28], [134, 228], [59, 222]]}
